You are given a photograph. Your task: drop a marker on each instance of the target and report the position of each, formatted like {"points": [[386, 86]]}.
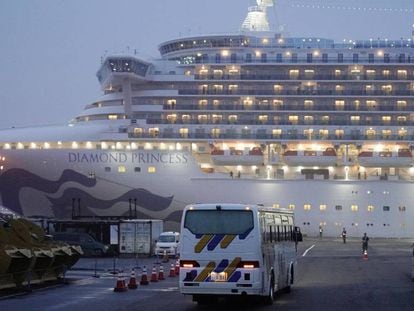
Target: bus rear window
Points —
{"points": [[219, 222]]}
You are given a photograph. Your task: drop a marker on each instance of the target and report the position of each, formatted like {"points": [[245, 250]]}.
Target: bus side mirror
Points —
{"points": [[298, 235]]}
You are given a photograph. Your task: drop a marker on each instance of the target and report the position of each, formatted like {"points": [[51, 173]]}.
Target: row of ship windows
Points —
{"points": [[352, 73], [353, 208], [288, 57]]}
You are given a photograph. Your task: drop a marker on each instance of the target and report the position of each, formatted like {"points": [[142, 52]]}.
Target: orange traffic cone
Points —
{"points": [[365, 256], [161, 274], [154, 277], [172, 271], [177, 267], [132, 281], [120, 285], [144, 277]]}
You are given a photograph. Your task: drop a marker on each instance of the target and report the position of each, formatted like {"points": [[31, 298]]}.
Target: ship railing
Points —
{"points": [[267, 77], [298, 92], [266, 136], [211, 60], [290, 106], [338, 121]]}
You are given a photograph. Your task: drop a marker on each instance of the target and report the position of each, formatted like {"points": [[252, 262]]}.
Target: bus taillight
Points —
{"points": [[189, 264], [248, 264]]}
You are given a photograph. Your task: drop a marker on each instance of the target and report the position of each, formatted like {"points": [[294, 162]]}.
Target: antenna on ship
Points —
{"points": [[256, 19]]}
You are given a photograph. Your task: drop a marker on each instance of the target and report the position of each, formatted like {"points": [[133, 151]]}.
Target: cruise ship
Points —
{"points": [[320, 127]]}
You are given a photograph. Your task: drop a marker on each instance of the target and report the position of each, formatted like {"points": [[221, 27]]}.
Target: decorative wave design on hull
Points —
{"points": [[13, 180], [146, 200]]}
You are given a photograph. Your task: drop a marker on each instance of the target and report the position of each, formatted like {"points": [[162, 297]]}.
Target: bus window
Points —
{"points": [[219, 222]]}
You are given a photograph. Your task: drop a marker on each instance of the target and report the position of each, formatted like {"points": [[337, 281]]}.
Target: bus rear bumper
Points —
{"points": [[233, 289]]}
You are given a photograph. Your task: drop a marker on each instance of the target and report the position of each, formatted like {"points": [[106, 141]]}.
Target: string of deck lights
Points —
{"points": [[353, 8]]}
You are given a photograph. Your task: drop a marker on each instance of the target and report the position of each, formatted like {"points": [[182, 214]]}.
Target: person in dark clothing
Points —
{"points": [[365, 240]]}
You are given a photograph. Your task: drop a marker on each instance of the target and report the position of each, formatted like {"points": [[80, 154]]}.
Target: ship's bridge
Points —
{"points": [[115, 68]]}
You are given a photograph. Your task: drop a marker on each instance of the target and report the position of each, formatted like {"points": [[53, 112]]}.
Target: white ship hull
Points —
{"points": [[50, 183]]}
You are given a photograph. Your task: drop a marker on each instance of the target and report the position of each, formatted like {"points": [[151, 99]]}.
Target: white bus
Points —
{"points": [[237, 249]]}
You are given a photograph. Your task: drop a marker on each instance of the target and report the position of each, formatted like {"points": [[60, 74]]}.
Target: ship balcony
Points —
{"points": [[310, 157], [266, 136], [299, 92], [237, 157], [320, 77], [402, 158]]}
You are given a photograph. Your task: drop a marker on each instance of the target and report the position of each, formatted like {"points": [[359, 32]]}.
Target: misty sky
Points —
{"points": [[50, 50]]}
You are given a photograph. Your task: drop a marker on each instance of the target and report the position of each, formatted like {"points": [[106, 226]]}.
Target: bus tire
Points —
{"points": [[270, 298]]}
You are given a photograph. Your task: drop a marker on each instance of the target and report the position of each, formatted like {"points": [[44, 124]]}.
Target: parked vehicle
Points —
{"points": [[168, 242], [89, 245]]}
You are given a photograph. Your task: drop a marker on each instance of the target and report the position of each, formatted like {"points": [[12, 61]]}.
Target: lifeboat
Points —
{"points": [[400, 158], [310, 157], [233, 156]]}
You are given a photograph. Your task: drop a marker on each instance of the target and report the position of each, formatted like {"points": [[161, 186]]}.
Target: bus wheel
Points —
{"points": [[271, 294]]}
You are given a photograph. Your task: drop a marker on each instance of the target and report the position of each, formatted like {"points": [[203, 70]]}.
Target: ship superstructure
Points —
{"points": [[317, 126]]}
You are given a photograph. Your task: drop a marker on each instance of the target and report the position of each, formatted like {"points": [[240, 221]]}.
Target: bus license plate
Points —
{"points": [[219, 277]]}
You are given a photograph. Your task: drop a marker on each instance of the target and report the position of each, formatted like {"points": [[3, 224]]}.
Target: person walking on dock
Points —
{"points": [[365, 240]]}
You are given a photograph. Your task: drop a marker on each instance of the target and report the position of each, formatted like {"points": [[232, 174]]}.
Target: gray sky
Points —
{"points": [[50, 50]]}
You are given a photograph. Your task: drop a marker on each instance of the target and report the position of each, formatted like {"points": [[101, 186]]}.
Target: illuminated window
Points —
{"points": [[278, 88], [307, 207], [233, 118], [338, 72], [385, 73], [277, 104], [215, 132], [322, 207], [172, 118], [186, 118], [339, 88], [154, 132], [308, 104], [401, 104], [276, 133], [276, 205], [386, 119], [112, 117], [370, 133], [354, 208], [339, 133], [308, 119], [402, 74], [323, 133], [151, 169], [138, 131], [202, 118], [263, 119], [386, 133], [171, 103], [401, 119], [121, 169], [339, 104], [217, 118], [202, 104], [291, 206], [294, 73], [293, 119], [183, 132], [370, 208], [355, 118]]}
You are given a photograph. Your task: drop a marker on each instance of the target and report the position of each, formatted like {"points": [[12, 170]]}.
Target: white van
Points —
{"points": [[168, 242]]}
